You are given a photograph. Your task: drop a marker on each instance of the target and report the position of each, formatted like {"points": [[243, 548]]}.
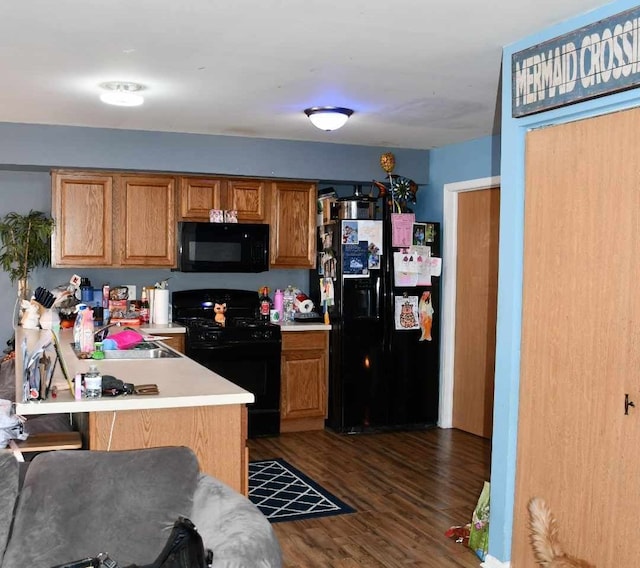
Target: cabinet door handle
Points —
{"points": [[627, 404]]}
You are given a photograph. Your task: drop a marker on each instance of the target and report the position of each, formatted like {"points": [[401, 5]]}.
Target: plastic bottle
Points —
{"points": [[86, 291], [124, 340], [92, 382], [278, 302], [87, 330], [289, 301], [77, 327]]}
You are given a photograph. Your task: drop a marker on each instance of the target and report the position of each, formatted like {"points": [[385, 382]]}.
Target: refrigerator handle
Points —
{"points": [[378, 304]]}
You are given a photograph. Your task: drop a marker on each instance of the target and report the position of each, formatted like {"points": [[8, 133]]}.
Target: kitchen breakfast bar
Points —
{"points": [[195, 407]]}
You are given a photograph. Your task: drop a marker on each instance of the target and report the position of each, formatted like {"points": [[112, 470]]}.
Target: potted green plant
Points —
{"points": [[25, 243]]}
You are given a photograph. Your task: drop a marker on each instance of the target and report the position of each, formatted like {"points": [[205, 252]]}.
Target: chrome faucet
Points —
{"points": [[100, 334]]}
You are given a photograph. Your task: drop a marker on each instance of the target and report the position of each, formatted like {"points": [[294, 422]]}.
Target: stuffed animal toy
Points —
{"points": [[219, 310]]}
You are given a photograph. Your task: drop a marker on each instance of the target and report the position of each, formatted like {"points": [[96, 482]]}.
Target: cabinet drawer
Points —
{"points": [[304, 340]]}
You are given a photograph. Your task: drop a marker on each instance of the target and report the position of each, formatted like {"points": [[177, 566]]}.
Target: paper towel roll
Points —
{"points": [[160, 306], [305, 306]]}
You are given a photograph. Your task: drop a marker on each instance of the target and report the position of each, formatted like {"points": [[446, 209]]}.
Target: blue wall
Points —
{"points": [[510, 275], [474, 159], [27, 152]]}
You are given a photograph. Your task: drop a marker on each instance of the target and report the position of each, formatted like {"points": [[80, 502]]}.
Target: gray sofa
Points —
{"points": [[74, 504]]}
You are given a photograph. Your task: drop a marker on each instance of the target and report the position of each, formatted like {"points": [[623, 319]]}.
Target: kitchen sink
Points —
{"points": [[144, 350]]}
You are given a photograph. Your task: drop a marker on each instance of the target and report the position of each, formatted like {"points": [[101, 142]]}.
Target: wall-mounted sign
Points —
{"points": [[598, 59]]}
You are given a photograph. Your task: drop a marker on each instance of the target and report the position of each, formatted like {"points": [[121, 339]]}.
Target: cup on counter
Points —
{"points": [[230, 216], [274, 316]]}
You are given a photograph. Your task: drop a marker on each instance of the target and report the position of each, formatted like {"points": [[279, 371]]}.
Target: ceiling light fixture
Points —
{"points": [[328, 117], [121, 93]]}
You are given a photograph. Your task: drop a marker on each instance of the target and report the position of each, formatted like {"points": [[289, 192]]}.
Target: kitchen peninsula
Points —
{"points": [[196, 408]]}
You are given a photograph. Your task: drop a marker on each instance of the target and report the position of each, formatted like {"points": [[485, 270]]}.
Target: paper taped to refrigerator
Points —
{"points": [[361, 247], [355, 260], [406, 313], [414, 268], [402, 229]]}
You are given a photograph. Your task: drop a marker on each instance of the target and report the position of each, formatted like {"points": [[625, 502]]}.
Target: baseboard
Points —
{"points": [[492, 562]]}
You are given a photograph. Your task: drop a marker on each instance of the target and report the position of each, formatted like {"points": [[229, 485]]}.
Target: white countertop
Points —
{"points": [[302, 326], [182, 382], [162, 329]]}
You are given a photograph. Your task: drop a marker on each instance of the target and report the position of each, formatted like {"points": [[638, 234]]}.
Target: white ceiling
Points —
{"points": [[418, 73]]}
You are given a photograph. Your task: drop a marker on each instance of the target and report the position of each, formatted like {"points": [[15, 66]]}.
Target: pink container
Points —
{"points": [[124, 340], [278, 302]]}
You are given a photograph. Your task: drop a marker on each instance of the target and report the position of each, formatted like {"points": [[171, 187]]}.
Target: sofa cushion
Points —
{"points": [[233, 527], [8, 495], [75, 504]]}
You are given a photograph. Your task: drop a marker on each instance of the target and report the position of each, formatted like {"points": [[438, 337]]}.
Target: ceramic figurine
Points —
{"points": [[219, 310]]}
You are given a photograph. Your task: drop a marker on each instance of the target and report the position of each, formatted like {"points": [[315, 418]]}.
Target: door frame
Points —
{"points": [[449, 282]]}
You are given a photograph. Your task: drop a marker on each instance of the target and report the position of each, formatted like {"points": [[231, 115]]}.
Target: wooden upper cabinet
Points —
{"points": [[83, 213], [293, 225], [198, 195], [104, 219], [146, 221], [249, 198]]}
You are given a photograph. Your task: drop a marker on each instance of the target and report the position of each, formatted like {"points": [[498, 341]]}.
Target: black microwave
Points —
{"points": [[223, 247]]}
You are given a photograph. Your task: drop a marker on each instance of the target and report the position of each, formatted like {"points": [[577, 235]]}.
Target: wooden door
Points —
{"points": [[198, 195], [146, 221], [476, 304], [293, 225], [249, 198], [82, 209], [581, 338]]}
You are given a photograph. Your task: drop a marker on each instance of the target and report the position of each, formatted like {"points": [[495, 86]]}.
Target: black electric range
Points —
{"points": [[245, 350]]}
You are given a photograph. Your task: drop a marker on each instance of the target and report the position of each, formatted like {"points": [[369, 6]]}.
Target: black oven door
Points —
{"points": [[256, 368], [223, 247]]}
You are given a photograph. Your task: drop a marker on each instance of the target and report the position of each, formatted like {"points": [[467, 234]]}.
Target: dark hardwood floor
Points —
{"points": [[408, 488]]}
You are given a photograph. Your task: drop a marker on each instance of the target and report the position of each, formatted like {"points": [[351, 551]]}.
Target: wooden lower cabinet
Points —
{"points": [[304, 387], [176, 341], [216, 434]]}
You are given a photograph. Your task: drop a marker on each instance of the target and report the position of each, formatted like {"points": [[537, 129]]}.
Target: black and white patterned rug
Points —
{"points": [[284, 493]]}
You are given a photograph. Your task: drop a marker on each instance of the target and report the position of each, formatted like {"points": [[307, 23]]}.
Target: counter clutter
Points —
{"points": [[195, 407], [181, 381]]}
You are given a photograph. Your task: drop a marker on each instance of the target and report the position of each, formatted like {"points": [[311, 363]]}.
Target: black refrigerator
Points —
{"points": [[382, 375]]}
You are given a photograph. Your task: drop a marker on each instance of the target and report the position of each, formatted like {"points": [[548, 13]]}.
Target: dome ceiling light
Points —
{"points": [[328, 117], [121, 93]]}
